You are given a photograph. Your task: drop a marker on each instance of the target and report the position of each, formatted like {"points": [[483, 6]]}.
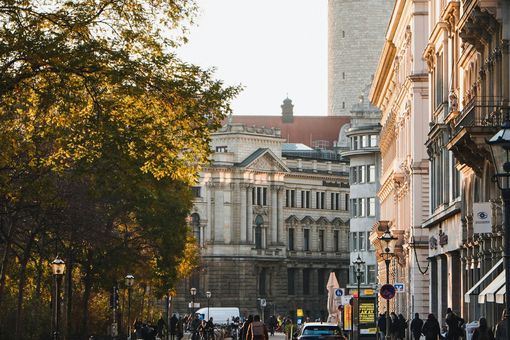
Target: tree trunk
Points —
{"points": [[69, 296], [87, 282], [5, 259], [21, 285]]}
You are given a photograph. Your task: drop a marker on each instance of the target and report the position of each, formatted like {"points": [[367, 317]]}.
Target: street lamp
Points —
{"points": [[358, 266], [387, 254], [500, 150], [208, 296], [193, 292], [58, 267], [130, 280]]}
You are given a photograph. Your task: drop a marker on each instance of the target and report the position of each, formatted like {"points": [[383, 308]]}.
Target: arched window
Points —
{"points": [[195, 226], [258, 231]]}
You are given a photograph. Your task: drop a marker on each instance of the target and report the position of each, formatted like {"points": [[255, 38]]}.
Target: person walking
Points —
{"points": [[394, 326], [416, 326], [179, 329], [501, 327], [173, 326], [381, 324], [244, 328], [483, 332], [431, 328], [455, 324], [257, 330], [288, 329], [401, 327]]}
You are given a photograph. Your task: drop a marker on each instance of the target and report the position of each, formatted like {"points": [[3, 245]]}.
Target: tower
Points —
{"points": [[356, 32]]}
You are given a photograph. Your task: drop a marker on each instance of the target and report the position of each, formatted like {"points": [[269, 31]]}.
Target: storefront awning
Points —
{"points": [[471, 291], [489, 293], [500, 295]]}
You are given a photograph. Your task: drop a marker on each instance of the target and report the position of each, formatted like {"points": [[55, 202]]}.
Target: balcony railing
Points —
{"points": [[480, 112]]}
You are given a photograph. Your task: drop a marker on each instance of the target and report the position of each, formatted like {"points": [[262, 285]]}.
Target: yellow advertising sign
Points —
{"points": [[366, 312], [299, 313], [347, 317], [368, 292]]}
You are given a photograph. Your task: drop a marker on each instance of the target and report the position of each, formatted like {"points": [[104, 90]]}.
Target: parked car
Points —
{"points": [[320, 331]]}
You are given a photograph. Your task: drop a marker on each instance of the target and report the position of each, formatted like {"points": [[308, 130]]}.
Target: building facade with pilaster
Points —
{"points": [[272, 222], [400, 90]]}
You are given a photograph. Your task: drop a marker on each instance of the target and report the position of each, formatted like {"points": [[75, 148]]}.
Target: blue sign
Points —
{"points": [[399, 287], [339, 292]]}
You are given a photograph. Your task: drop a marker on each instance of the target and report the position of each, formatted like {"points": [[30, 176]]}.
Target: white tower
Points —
{"points": [[356, 31]]}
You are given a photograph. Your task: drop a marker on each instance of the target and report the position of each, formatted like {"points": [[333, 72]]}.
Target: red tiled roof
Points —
{"points": [[304, 129]]}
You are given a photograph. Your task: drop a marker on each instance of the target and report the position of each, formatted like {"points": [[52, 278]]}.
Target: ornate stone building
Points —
{"points": [[400, 90], [355, 38], [468, 59], [272, 222]]}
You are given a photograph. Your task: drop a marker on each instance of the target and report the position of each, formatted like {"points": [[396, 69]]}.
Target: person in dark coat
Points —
{"points": [[483, 332], [416, 326], [173, 326], [454, 323], [501, 327], [244, 328], [431, 328], [401, 327], [381, 324], [394, 326]]}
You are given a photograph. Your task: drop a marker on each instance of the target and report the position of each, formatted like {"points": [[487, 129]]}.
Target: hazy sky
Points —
{"points": [[271, 47]]}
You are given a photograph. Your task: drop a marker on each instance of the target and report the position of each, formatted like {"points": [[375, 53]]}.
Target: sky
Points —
{"points": [[273, 48]]}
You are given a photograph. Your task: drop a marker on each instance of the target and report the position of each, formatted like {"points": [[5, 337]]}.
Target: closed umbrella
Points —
{"points": [[332, 286]]}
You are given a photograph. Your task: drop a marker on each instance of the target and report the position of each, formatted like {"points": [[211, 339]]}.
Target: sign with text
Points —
{"points": [[367, 315], [400, 287], [482, 218]]}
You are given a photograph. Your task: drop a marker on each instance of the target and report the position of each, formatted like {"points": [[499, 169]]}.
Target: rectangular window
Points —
{"points": [[222, 148], [306, 239], [287, 198], [332, 200], [373, 140], [291, 279], [293, 198], [371, 274], [317, 200], [308, 199], [362, 240], [337, 201], [354, 212], [321, 240], [346, 202], [354, 175], [371, 206], [195, 191], [371, 173], [336, 239], [439, 79], [306, 281], [363, 174], [323, 200], [303, 198], [362, 206], [355, 142], [354, 244], [364, 141], [254, 196], [291, 239], [259, 196], [264, 196], [321, 281]]}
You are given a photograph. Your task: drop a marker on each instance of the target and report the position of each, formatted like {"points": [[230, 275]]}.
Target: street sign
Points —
{"points": [[400, 287], [115, 330], [339, 292], [299, 313], [263, 302], [195, 305], [387, 291]]}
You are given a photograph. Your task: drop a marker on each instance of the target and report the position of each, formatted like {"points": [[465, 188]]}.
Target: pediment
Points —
{"points": [[264, 160]]}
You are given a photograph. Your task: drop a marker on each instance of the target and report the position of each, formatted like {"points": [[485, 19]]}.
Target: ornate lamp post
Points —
{"points": [[208, 296], [58, 268], [387, 254], [130, 280], [500, 150], [193, 292], [358, 266]]}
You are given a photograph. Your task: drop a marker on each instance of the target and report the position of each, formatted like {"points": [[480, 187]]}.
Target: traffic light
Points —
{"points": [[114, 298]]}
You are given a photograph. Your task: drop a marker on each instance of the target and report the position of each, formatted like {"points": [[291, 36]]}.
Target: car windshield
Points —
{"points": [[321, 330]]}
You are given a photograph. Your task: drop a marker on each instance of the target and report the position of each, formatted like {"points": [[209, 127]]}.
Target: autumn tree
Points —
{"points": [[102, 130]]}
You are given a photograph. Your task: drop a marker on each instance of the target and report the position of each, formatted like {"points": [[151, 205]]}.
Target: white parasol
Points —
{"points": [[332, 286]]}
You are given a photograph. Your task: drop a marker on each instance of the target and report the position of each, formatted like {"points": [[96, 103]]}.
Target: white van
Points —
{"points": [[220, 315]]}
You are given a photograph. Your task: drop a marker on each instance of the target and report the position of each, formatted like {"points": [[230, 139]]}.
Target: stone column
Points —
{"points": [[274, 215], [442, 296], [280, 233], [454, 281], [249, 222], [243, 188], [210, 217], [218, 214]]}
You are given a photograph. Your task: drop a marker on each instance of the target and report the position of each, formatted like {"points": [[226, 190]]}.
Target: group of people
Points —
{"points": [[454, 328]]}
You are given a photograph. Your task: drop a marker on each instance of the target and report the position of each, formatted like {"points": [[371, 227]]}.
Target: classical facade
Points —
{"points": [[355, 38], [400, 90], [364, 164], [468, 59], [272, 222]]}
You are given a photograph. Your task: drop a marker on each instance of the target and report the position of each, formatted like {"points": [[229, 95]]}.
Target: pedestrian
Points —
{"points": [[416, 326], [455, 325], [179, 329], [288, 329], [483, 332], [401, 327], [431, 328], [393, 326], [381, 324], [257, 330], [501, 327], [161, 326], [272, 324], [244, 328], [173, 326]]}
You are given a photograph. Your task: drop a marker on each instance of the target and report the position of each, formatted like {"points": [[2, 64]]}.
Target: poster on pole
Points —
{"points": [[367, 316]]}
